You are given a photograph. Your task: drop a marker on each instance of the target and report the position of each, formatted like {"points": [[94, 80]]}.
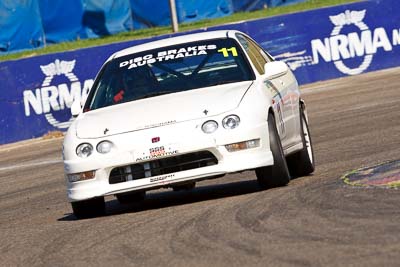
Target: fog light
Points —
{"points": [[243, 145], [82, 176], [209, 127], [104, 147]]}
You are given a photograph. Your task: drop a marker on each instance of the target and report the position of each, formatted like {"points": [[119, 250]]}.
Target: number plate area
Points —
{"points": [[155, 152]]}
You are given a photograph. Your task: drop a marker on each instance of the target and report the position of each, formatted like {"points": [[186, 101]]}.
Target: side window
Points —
{"points": [[266, 55], [256, 54]]}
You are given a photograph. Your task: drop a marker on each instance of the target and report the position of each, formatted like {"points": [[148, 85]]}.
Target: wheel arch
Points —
{"points": [[302, 103], [303, 107]]}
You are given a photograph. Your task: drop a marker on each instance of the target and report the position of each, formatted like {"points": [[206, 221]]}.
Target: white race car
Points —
{"points": [[172, 112]]}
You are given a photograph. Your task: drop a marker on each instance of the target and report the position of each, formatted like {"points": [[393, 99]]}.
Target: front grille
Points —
{"points": [[162, 166]]}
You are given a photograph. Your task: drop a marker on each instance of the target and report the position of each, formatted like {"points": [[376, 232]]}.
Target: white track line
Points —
{"points": [[24, 143], [30, 164]]}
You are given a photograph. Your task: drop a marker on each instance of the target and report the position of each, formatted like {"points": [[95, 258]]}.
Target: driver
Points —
{"points": [[136, 83]]}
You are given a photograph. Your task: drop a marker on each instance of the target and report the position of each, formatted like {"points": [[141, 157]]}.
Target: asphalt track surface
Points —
{"points": [[314, 221]]}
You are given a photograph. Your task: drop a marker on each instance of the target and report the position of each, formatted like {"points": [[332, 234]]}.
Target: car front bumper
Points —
{"points": [[127, 154]]}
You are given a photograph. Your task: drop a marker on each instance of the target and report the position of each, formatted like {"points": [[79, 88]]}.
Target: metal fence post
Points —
{"points": [[174, 17]]}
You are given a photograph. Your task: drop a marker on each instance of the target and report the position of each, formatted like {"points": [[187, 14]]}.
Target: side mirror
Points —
{"points": [[76, 108], [275, 69]]}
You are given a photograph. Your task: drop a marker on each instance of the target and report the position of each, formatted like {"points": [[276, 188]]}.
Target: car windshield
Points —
{"points": [[169, 70]]}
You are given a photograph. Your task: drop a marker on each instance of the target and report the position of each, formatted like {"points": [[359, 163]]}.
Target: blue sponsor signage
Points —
{"points": [[327, 43]]}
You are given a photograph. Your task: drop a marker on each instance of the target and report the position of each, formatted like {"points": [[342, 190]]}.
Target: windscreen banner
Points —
{"points": [[37, 93]]}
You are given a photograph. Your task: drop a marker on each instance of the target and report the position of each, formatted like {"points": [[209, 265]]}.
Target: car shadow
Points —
{"points": [[158, 200]]}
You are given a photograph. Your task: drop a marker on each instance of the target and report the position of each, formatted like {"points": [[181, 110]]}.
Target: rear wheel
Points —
{"points": [[89, 208], [277, 174], [131, 197], [302, 162]]}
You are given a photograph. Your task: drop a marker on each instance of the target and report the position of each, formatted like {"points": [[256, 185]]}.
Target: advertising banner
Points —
{"points": [[37, 92]]}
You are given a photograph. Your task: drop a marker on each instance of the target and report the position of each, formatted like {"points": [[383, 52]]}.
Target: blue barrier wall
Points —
{"points": [[105, 17], [333, 42], [151, 13], [20, 25], [62, 22], [30, 24]]}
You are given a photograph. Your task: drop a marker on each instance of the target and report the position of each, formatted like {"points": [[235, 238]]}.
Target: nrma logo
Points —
{"points": [[362, 43], [59, 89]]}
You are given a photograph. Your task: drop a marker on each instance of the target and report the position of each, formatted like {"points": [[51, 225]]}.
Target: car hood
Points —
{"points": [[161, 110]]}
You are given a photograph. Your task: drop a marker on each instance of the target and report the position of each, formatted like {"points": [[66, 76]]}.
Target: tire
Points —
{"points": [[89, 208], [302, 162], [131, 197], [278, 174], [184, 187]]}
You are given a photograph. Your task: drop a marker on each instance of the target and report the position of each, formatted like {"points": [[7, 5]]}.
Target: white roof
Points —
{"points": [[174, 41]]}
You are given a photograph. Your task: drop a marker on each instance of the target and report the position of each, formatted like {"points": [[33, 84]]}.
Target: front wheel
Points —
{"points": [[277, 174], [89, 208], [302, 162]]}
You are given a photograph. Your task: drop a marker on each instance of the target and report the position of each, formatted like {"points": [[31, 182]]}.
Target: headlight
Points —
{"points": [[231, 122], [104, 147], [209, 127], [84, 150]]}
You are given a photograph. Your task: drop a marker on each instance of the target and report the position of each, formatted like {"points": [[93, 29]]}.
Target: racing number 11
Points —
{"points": [[225, 51]]}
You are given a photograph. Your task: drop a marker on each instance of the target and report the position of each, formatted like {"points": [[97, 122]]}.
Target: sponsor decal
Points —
{"points": [[166, 55], [59, 89], [344, 43], [277, 102], [161, 178], [159, 124], [156, 152]]}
